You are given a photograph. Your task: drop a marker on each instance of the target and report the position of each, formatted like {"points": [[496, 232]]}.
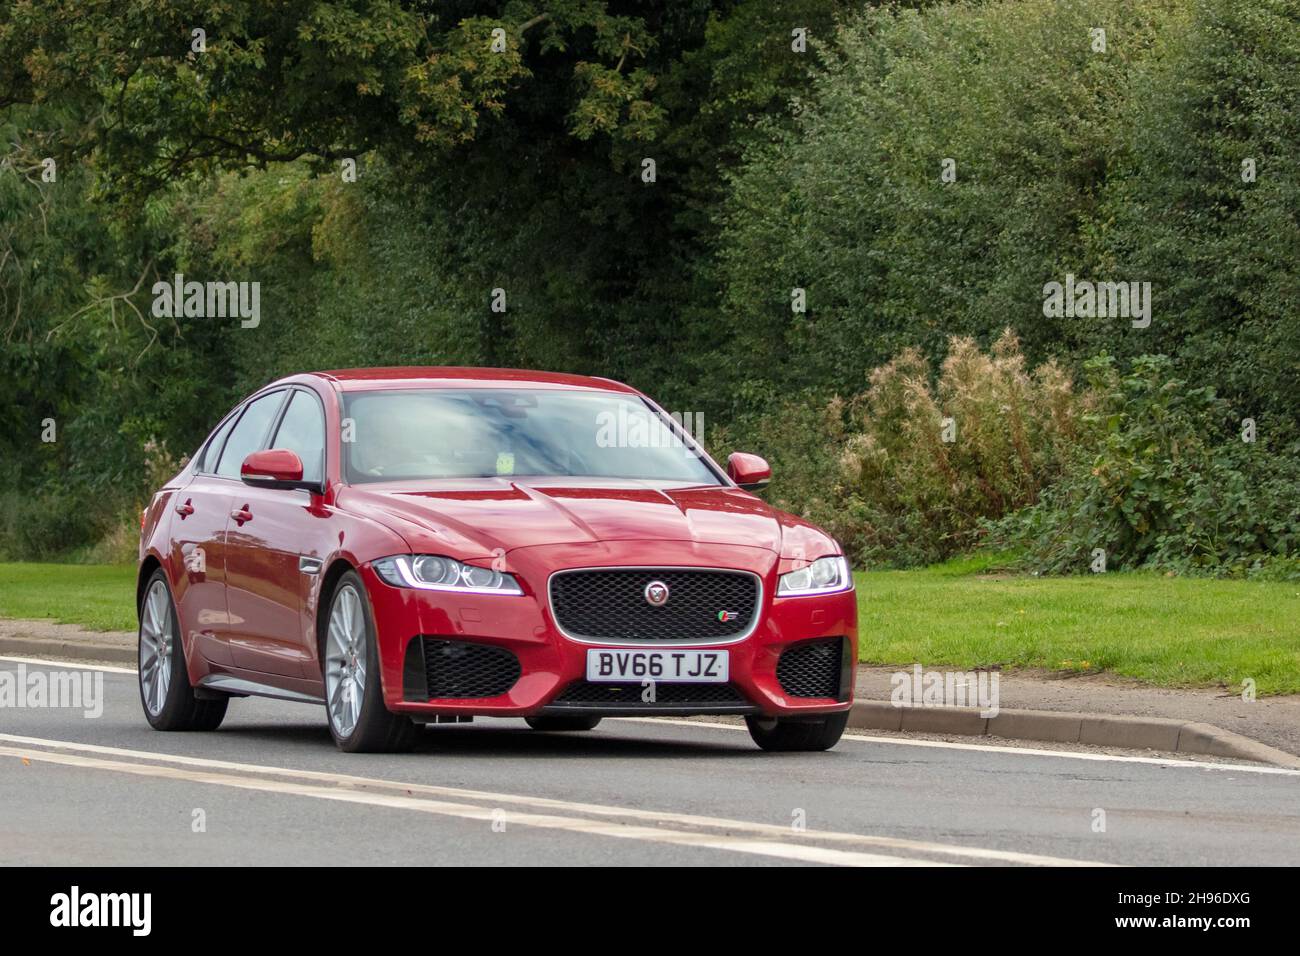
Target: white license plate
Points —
{"points": [[679, 666]]}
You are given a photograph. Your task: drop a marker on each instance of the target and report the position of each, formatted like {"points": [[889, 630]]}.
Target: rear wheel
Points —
{"points": [[165, 691], [797, 733], [354, 700], [563, 723]]}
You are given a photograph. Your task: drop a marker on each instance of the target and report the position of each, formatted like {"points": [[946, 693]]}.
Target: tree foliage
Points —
{"points": [[519, 168]]}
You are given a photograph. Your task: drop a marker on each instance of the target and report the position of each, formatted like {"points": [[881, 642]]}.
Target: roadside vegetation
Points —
{"points": [[1166, 631], [100, 597], [922, 405]]}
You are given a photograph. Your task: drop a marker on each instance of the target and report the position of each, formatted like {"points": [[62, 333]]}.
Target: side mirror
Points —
{"points": [[275, 468], [748, 471]]}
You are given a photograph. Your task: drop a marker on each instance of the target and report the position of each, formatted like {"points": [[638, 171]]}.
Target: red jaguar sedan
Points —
{"points": [[418, 545]]}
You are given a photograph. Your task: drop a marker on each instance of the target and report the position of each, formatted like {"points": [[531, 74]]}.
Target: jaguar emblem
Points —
{"points": [[656, 594]]}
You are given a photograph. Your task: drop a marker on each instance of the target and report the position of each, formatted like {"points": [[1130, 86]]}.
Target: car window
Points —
{"points": [[406, 434], [213, 449], [302, 430], [248, 434]]}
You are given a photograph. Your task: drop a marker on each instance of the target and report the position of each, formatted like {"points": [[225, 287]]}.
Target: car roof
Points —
{"points": [[461, 376]]}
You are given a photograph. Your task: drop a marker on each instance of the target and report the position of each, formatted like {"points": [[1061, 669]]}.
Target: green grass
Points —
{"points": [[97, 596], [1174, 632]]}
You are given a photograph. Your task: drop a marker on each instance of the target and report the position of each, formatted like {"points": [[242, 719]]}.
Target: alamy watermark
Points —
{"points": [[208, 300], [632, 428], [922, 688], [1085, 299], [21, 689], [75, 908]]}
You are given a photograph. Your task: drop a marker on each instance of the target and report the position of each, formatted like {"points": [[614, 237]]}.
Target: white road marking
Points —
{"points": [[895, 741], [800, 852], [994, 748], [763, 832], [71, 665]]}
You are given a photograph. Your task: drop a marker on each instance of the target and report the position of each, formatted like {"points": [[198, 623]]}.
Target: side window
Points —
{"points": [[209, 462], [302, 430], [248, 434]]}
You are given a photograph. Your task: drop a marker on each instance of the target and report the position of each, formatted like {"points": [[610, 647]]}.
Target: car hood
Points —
{"points": [[492, 515]]}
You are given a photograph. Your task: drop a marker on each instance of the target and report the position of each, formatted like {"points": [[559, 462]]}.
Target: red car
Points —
{"points": [[419, 545]]}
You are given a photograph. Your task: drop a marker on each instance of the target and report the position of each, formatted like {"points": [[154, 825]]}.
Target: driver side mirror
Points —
{"points": [[748, 471], [275, 468]]}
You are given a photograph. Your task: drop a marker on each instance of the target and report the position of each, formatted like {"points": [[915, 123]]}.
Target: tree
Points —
{"points": [[169, 87]]}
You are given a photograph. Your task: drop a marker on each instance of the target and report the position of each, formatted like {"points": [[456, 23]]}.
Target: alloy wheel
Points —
{"points": [[157, 643], [345, 661]]}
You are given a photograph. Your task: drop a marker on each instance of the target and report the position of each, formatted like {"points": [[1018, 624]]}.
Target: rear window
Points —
{"points": [[208, 463]]}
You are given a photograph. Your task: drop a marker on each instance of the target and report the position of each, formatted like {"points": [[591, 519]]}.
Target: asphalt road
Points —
{"points": [[270, 788]]}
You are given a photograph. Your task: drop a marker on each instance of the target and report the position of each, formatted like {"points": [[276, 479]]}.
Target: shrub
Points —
{"points": [[1121, 166], [876, 471], [1168, 484], [46, 526], [851, 204], [923, 466]]}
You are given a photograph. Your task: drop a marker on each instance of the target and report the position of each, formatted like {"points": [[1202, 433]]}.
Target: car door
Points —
{"points": [[273, 546], [213, 495], [198, 530]]}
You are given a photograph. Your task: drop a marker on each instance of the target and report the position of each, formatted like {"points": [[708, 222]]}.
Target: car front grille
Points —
{"points": [[457, 670], [611, 605], [623, 696], [812, 668]]}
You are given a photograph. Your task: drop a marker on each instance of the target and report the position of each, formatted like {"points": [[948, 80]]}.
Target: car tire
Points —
{"points": [[797, 733], [359, 723], [563, 723], [164, 681]]}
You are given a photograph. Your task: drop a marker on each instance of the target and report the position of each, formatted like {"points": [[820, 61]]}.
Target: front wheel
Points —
{"points": [[563, 723], [354, 700], [165, 691], [797, 733]]}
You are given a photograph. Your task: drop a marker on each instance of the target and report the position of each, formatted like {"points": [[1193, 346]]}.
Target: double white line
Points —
{"points": [[589, 819]]}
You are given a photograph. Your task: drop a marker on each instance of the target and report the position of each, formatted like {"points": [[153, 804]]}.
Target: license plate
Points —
{"points": [[678, 666]]}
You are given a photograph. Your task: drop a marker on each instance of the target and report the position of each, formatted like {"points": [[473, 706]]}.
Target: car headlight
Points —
{"points": [[820, 577], [431, 572]]}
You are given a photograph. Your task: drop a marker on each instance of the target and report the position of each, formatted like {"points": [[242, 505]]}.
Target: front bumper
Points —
{"points": [[552, 667]]}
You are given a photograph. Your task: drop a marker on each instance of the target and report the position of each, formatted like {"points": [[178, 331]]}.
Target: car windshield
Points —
{"points": [[409, 434]]}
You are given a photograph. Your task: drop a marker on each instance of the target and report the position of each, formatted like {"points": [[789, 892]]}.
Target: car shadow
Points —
{"points": [[489, 741]]}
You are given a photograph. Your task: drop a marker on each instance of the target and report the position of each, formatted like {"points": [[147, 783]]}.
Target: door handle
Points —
{"points": [[241, 515], [186, 509]]}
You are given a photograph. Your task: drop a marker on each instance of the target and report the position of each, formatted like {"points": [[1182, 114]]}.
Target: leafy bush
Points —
{"points": [[1201, 200], [924, 465], [47, 526], [1120, 166], [1167, 484], [851, 204], [877, 471]]}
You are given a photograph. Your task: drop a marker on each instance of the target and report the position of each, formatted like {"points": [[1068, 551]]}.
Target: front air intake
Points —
{"points": [[813, 669], [441, 669]]}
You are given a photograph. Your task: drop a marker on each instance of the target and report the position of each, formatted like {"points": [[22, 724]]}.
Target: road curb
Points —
{"points": [[1102, 730], [70, 648]]}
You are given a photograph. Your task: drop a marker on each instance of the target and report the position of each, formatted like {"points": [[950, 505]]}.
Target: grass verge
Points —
{"points": [[1173, 632], [97, 596]]}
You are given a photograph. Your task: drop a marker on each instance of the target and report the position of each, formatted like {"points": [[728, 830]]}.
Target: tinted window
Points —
{"points": [[302, 430], [248, 434], [209, 462]]}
